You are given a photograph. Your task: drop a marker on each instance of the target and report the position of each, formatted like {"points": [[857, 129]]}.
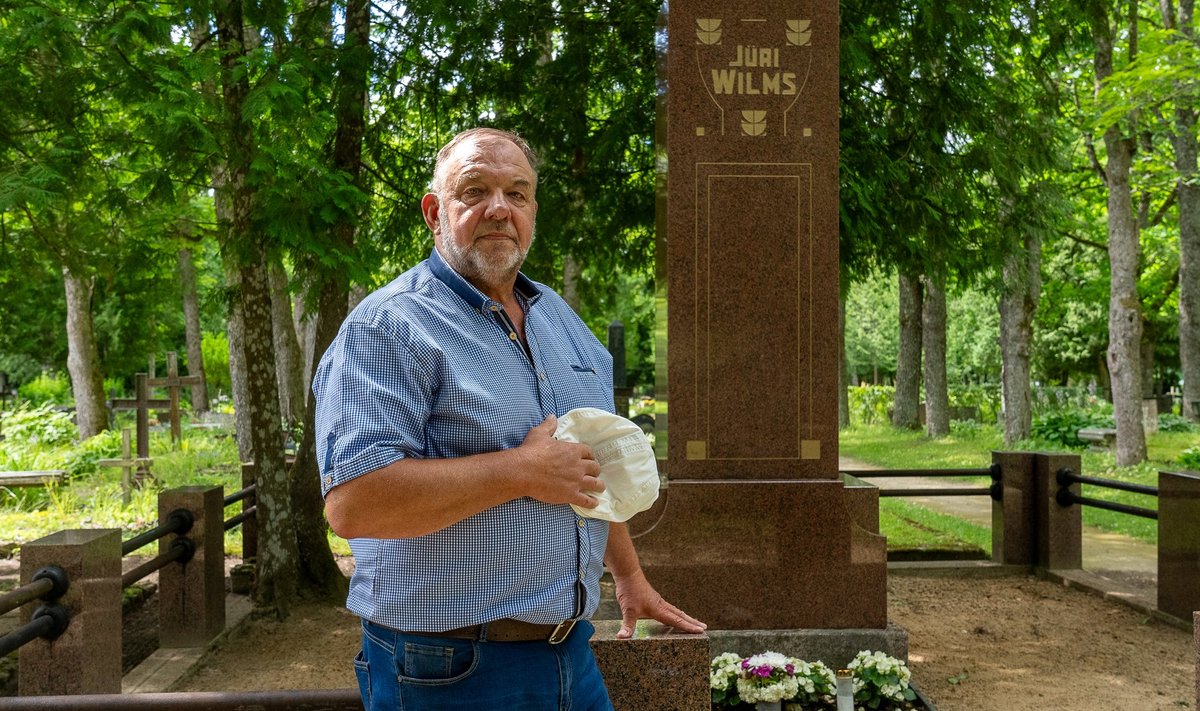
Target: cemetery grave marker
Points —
{"points": [[127, 464], [142, 403], [174, 382]]}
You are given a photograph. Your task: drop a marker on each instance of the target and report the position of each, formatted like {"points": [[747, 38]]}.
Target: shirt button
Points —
{"points": [[512, 336], [580, 523], [328, 480], [541, 375], [494, 307]]}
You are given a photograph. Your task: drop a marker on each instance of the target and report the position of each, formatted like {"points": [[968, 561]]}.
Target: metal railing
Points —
{"points": [[49, 621], [246, 493], [1065, 497], [994, 490]]}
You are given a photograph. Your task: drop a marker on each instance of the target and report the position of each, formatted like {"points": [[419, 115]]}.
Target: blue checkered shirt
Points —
{"points": [[425, 367]]}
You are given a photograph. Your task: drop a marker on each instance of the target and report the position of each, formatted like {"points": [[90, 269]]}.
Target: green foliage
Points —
{"points": [[985, 398], [880, 680], [1170, 422], [38, 426], [215, 350], [1190, 459], [1062, 426], [52, 388], [869, 404]]}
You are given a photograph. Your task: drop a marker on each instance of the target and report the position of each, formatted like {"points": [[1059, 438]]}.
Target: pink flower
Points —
{"points": [[790, 669], [764, 671]]}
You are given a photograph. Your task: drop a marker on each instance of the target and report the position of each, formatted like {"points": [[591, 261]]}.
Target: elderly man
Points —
{"points": [[437, 405]]}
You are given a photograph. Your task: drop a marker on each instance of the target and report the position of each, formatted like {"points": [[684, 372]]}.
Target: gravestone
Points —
{"points": [[755, 529]]}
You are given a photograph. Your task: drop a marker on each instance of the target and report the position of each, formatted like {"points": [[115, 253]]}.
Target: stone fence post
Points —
{"points": [[1178, 543], [1029, 527], [191, 608], [1013, 534], [86, 659]]}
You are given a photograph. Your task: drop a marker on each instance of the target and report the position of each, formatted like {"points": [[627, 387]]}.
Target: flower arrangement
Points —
{"points": [[881, 682]]}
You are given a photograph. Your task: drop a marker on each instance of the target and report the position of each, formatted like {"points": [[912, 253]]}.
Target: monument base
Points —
{"points": [[768, 555], [836, 648]]}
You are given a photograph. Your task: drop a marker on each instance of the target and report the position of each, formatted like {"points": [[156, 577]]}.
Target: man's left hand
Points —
{"points": [[639, 600]]}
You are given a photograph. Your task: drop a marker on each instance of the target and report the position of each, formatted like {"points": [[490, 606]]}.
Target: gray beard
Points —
{"points": [[476, 266]]}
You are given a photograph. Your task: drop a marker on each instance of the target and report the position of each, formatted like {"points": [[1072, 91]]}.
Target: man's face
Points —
{"points": [[483, 218]]}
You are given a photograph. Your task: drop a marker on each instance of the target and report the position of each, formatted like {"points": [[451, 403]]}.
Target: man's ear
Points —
{"points": [[429, 209]]}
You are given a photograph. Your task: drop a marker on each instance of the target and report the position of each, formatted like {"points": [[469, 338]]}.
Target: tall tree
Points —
{"points": [[247, 248], [1124, 251]]}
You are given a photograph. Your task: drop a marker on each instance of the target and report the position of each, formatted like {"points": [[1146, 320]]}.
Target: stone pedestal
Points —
{"points": [[192, 595], [767, 555], [86, 659], [1014, 539], [755, 530], [1029, 526], [657, 669], [1178, 543]]}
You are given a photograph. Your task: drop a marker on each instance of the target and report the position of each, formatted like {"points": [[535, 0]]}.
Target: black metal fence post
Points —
{"points": [[86, 657], [192, 592]]}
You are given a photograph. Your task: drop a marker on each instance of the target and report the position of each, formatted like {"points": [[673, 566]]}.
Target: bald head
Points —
{"points": [[472, 134]]}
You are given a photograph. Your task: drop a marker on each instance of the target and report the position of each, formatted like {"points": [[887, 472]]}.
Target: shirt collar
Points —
{"points": [[524, 286]]}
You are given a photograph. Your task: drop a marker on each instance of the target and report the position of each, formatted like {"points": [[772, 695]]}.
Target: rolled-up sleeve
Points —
{"points": [[373, 401]]}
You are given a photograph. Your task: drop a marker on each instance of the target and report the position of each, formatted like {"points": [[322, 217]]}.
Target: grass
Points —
{"points": [[910, 527], [971, 446]]}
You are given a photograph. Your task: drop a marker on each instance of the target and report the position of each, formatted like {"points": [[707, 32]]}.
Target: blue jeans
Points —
{"points": [[410, 672]]}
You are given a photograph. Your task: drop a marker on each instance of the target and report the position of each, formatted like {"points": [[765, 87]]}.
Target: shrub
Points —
{"points": [[215, 350], [1062, 426], [869, 404], [1190, 459], [54, 388], [1170, 422], [39, 427]]}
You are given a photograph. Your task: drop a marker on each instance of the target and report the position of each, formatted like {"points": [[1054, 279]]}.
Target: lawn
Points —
{"points": [[971, 445]]}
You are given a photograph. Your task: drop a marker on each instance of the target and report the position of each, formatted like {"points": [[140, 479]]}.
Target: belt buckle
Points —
{"points": [[562, 631]]}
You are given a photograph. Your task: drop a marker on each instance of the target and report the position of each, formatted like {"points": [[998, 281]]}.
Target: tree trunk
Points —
{"points": [[277, 566], [1020, 291], [908, 360], [317, 566], [1124, 251], [571, 271], [289, 363], [843, 368], [83, 358], [235, 330], [1184, 142], [933, 342], [191, 328], [305, 323]]}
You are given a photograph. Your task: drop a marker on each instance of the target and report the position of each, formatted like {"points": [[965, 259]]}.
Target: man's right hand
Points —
{"points": [[559, 472]]}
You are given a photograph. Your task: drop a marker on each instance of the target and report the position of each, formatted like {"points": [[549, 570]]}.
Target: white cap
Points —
{"points": [[626, 459]]}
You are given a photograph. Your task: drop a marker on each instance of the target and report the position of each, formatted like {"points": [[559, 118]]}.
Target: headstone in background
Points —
{"points": [[755, 530]]}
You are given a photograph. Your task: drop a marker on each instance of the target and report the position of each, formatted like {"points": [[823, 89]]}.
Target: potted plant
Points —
{"points": [[773, 681]]}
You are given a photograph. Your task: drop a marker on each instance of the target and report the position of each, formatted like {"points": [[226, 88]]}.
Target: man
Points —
{"points": [[437, 405]]}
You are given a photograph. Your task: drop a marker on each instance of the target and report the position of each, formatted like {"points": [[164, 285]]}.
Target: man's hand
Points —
{"points": [[559, 472], [639, 600]]}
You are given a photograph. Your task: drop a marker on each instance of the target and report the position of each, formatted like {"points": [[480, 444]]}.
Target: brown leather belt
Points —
{"points": [[509, 631]]}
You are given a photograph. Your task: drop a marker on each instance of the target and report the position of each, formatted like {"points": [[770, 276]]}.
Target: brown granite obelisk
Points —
{"points": [[755, 530]]}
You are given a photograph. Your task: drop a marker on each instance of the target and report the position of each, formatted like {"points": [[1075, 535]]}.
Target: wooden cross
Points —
{"points": [[127, 463], [143, 404], [173, 383]]}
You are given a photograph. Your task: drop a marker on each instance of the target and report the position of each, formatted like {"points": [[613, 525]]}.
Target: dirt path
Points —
{"points": [[1013, 643]]}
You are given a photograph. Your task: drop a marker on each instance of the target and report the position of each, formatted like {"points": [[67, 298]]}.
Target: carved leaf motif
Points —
{"points": [[799, 33], [708, 30], [754, 123]]}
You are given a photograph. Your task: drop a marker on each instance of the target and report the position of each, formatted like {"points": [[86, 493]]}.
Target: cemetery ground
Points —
{"points": [[978, 640]]}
